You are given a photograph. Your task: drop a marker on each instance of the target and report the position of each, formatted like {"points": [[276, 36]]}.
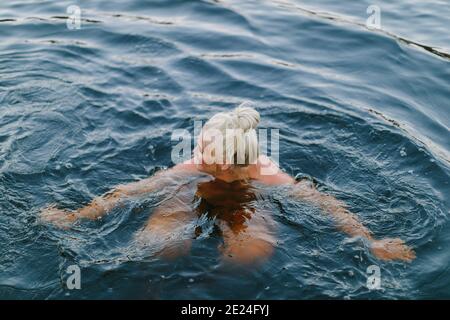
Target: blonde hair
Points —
{"points": [[234, 136]]}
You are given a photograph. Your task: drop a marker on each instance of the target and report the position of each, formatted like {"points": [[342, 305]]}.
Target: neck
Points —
{"points": [[232, 174]]}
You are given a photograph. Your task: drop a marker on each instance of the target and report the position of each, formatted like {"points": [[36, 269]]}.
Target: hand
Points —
{"points": [[58, 217], [392, 249]]}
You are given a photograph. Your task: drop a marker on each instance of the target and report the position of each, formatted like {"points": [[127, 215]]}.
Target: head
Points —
{"points": [[228, 140]]}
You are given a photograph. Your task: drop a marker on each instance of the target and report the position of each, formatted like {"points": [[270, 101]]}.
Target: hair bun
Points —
{"points": [[247, 117]]}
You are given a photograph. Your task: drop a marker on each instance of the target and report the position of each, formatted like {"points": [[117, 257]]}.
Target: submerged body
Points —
{"points": [[225, 191], [248, 232], [228, 196]]}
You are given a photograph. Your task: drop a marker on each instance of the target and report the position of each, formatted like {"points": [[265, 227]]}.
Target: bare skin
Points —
{"points": [[248, 234]]}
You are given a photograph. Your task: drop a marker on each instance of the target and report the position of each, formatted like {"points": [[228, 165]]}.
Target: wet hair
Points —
{"points": [[237, 131]]}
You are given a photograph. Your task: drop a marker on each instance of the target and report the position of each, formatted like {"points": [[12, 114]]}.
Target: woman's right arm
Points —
{"points": [[348, 222]]}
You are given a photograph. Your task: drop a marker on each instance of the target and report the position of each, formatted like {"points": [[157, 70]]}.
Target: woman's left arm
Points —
{"points": [[101, 205]]}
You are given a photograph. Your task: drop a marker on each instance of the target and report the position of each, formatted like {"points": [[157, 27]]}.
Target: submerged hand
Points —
{"points": [[392, 249], [58, 217]]}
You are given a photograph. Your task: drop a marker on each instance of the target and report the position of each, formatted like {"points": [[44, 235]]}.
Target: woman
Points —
{"points": [[223, 177]]}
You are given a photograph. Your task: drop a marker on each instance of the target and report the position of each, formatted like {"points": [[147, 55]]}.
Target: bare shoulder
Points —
{"points": [[187, 166], [268, 172]]}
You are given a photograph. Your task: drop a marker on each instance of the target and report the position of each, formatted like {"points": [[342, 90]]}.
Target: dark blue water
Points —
{"points": [[364, 112]]}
